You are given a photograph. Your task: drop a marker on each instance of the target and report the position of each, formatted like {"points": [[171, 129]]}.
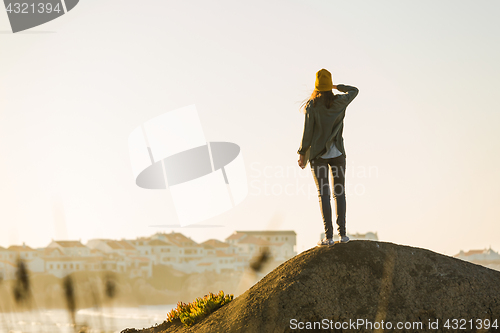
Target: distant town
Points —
{"points": [[136, 257]]}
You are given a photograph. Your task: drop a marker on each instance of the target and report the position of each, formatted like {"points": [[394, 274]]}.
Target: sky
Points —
{"points": [[421, 138]]}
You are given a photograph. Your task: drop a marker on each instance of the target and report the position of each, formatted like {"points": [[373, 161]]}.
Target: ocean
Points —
{"points": [[97, 320]]}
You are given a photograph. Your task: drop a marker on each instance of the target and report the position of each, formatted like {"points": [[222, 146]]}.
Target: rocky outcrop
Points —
{"points": [[355, 286]]}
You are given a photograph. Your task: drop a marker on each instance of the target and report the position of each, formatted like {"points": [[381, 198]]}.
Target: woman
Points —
{"points": [[323, 145]]}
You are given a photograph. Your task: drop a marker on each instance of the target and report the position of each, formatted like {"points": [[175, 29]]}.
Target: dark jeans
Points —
{"points": [[320, 168]]}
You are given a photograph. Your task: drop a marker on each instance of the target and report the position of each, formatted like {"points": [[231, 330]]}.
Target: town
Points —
{"points": [[136, 257]]}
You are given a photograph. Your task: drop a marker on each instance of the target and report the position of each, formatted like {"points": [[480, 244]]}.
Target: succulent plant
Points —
{"points": [[191, 313]]}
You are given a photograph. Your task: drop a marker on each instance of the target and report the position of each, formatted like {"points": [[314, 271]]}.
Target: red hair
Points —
{"points": [[327, 97]]}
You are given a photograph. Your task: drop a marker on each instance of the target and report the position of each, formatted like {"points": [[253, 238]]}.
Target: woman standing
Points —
{"points": [[323, 145]]}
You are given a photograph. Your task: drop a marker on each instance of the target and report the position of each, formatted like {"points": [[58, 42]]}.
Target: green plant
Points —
{"points": [[193, 312]]}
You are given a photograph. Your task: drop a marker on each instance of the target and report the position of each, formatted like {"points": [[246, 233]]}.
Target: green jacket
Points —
{"points": [[323, 126]]}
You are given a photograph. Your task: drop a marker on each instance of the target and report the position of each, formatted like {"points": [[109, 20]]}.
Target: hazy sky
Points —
{"points": [[421, 138]]}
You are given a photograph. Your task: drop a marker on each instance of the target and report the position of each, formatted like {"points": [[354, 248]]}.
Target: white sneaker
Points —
{"points": [[326, 242], [344, 239]]}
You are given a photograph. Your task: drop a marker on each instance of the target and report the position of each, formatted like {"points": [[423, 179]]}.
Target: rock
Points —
{"points": [[363, 280]]}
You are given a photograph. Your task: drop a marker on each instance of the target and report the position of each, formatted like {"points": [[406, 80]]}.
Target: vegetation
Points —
{"points": [[193, 312]]}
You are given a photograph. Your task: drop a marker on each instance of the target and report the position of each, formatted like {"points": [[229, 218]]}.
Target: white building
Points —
{"points": [[163, 252], [184, 254], [7, 255], [136, 258], [7, 270], [50, 252], [140, 267], [221, 246], [478, 255], [71, 248], [133, 258], [142, 245], [121, 247], [486, 257], [29, 256], [23, 252], [62, 266], [280, 243], [35, 265], [187, 249], [222, 257]]}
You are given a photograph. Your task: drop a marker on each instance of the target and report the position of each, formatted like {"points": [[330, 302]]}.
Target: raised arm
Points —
{"points": [[351, 92]]}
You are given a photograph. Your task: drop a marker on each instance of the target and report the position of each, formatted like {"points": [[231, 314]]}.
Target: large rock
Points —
{"points": [[362, 280]]}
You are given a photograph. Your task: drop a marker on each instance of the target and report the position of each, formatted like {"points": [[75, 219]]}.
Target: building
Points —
{"points": [[163, 252], [142, 245], [29, 256], [70, 248], [22, 252], [486, 257], [50, 252], [7, 270], [140, 267], [121, 247], [135, 258], [221, 246], [7, 264], [7, 255], [62, 266], [187, 255], [187, 249], [274, 236], [281, 244]]}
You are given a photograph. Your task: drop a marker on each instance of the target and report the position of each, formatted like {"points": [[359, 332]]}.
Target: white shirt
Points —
{"points": [[331, 152]]}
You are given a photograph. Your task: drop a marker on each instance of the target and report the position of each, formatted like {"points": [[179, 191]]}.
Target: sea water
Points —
{"points": [[97, 320]]}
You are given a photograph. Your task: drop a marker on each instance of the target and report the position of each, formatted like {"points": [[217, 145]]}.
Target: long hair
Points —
{"points": [[325, 97]]}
